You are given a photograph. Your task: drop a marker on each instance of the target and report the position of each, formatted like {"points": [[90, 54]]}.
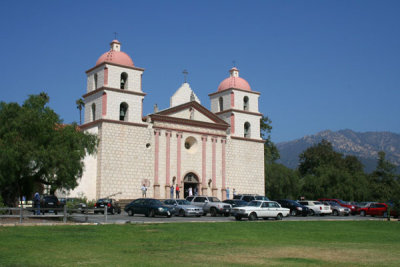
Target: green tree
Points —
{"points": [[281, 182], [327, 173], [385, 183], [79, 105], [271, 153], [36, 149]]}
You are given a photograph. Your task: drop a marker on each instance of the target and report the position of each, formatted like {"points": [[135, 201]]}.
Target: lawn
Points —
{"points": [[327, 243]]}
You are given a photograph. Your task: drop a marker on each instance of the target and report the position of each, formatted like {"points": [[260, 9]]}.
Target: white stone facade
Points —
{"points": [[186, 144]]}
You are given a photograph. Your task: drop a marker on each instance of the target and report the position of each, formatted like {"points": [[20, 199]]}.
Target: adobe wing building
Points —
{"points": [[186, 144]]}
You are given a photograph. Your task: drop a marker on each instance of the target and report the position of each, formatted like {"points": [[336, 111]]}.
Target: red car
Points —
{"points": [[353, 209], [375, 209]]}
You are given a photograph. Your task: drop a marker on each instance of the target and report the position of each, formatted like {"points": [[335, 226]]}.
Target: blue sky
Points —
{"points": [[317, 64]]}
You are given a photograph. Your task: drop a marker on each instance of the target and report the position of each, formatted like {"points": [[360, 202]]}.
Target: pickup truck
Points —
{"points": [[210, 205]]}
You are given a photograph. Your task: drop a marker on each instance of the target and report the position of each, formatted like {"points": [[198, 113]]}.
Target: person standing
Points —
{"points": [[227, 193], [195, 191], [190, 192], [144, 190], [234, 192], [177, 191], [171, 190], [36, 202]]}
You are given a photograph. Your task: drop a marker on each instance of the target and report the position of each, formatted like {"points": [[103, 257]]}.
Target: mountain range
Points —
{"points": [[365, 146]]}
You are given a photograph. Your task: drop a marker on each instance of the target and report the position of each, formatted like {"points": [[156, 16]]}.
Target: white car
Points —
{"points": [[260, 209], [316, 207]]}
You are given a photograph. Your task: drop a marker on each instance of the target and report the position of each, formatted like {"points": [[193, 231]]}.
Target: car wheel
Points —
{"points": [[362, 213], [113, 211], [198, 215], [252, 217], [312, 213], [169, 215], [182, 213], [293, 213], [278, 217], [205, 214], [335, 213], [227, 214], [213, 212], [238, 218], [130, 213], [152, 213]]}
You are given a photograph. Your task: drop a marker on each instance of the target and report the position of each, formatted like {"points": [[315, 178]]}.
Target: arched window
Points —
{"points": [[221, 104], [95, 81], [247, 129], [124, 80], [123, 112], [245, 103], [93, 112]]}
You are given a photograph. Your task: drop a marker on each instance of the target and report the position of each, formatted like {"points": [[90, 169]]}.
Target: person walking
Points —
{"points": [[227, 193], [171, 190], [144, 190], [36, 202], [177, 191]]}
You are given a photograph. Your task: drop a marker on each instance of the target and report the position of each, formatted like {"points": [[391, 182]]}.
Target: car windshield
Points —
{"points": [[104, 201], [183, 202], [343, 202], [156, 202], [294, 203], [261, 198], [317, 203], [213, 199], [254, 203], [333, 203]]}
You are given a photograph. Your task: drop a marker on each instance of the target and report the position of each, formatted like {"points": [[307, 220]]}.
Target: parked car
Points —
{"points": [[261, 209], [375, 209], [183, 207], [236, 202], [74, 203], [148, 207], [342, 203], [210, 205], [337, 210], [112, 206], [295, 208], [365, 204], [250, 197], [316, 207], [50, 204]]}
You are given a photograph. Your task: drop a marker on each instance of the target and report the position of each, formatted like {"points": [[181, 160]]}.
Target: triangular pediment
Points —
{"points": [[190, 112]]}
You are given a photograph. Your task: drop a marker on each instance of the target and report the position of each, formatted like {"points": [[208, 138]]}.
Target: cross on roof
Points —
{"points": [[185, 73], [115, 35]]}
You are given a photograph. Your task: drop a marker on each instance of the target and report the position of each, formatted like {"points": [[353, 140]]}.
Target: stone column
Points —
{"points": [[156, 163], [204, 165], [178, 163], [223, 171], [214, 167], [167, 164]]}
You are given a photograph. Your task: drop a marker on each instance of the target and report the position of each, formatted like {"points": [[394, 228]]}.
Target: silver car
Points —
{"points": [[182, 207], [337, 210]]}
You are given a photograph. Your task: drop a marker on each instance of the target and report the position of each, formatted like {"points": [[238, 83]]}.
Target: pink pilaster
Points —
{"points": [[105, 76], [223, 190], [204, 165], [232, 99], [232, 123], [178, 158], [104, 104], [156, 163], [214, 166], [167, 163]]}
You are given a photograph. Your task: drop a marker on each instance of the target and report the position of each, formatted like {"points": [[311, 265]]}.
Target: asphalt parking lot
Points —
{"points": [[124, 218]]}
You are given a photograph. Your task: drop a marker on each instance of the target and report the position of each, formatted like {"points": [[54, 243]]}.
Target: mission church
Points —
{"points": [[185, 144]]}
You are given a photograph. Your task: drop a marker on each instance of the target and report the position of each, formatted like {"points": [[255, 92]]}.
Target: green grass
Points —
{"points": [[354, 243]]}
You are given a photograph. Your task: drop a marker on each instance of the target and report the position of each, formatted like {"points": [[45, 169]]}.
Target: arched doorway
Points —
{"points": [[190, 182]]}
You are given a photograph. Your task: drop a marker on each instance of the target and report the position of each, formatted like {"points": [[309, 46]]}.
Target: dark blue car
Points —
{"points": [[148, 207]]}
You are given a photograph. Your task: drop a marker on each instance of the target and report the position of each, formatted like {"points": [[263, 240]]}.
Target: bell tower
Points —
{"points": [[237, 104], [114, 88]]}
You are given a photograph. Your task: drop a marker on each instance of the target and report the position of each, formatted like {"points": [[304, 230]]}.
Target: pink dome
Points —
{"points": [[234, 81], [116, 57]]}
